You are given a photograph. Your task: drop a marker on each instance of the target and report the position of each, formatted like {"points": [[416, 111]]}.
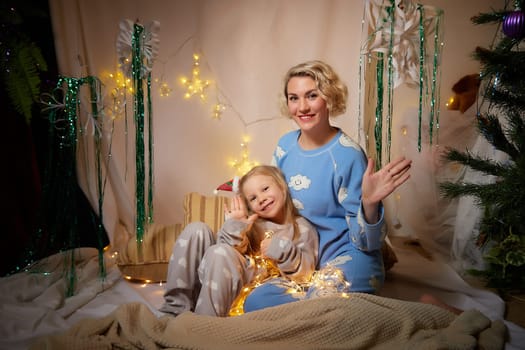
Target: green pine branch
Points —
{"points": [[481, 192], [496, 16], [516, 132], [483, 165], [490, 127], [505, 64], [485, 18], [501, 196], [507, 99]]}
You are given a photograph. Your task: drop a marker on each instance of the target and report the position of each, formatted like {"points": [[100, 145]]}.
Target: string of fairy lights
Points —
{"points": [[194, 86]]}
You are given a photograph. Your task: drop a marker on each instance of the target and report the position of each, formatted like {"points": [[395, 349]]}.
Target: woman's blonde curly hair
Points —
{"points": [[330, 87]]}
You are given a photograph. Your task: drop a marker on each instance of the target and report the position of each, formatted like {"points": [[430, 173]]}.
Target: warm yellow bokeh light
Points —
{"points": [[164, 90], [451, 102], [195, 85], [243, 165], [217, 110]]}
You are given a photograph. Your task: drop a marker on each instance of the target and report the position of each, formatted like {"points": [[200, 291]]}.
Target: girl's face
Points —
{"points": [[265, 197], [305, 104]]}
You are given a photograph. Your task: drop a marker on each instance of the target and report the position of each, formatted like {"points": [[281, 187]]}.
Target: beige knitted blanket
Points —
{"points": [[362, 321]]}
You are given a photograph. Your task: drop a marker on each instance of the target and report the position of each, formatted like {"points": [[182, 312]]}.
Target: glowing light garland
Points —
{"points": [[245, 164], [217, 110], [195, 85], [326, 282]]}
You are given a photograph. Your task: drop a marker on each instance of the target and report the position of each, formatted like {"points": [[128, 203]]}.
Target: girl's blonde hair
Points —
{"points": [[330, 87]]}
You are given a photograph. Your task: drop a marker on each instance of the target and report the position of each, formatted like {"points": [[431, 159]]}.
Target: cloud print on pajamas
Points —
{"points": [[299, 182]]}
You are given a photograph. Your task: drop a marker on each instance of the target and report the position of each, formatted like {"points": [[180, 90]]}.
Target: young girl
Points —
{"points": [[332, 183], [206, 273]]}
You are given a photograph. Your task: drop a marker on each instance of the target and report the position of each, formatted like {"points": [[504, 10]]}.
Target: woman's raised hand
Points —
{"points": [[377, 185]]}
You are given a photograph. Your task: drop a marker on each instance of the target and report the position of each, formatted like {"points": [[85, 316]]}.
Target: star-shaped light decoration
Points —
{"points": [[195, 85], [164, 89], [245, 164]]}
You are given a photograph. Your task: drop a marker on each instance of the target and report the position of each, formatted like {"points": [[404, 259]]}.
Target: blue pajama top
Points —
{"points": [[325, 184]]}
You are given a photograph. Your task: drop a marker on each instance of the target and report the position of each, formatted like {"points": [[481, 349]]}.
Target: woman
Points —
{"points": [[332, 183]]}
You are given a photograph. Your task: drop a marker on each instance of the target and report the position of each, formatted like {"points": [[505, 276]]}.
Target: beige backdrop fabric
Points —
{"points": [[246, 47]]}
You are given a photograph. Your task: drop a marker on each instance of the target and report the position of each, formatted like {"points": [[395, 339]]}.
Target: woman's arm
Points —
{"points": [[364, 218]]}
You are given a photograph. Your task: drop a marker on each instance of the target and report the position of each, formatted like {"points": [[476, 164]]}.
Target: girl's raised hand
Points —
{"points": [[238, 211]]}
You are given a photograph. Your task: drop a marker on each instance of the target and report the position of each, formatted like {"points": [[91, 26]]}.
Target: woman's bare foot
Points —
{"points": [[430, 299]]}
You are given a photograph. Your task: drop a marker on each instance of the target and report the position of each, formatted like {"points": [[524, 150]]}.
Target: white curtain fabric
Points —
{"points": [[246, 46]]}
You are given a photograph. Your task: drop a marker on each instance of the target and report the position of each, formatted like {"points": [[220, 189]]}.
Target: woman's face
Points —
{"points": [[265, 197], [305, 104]]}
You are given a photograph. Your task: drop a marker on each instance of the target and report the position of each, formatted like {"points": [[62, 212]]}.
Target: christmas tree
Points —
{"points": [[502, 124]]}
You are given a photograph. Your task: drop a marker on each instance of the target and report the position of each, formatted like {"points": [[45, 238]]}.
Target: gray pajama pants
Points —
{"points": [[204, 276]]}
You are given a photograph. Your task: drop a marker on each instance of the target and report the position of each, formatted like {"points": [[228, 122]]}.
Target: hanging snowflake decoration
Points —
{"points": [[397, 28], [149, 44]]}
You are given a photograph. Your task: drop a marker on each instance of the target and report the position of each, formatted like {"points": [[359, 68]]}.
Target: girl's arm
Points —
{"points": [[234, 233]]}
